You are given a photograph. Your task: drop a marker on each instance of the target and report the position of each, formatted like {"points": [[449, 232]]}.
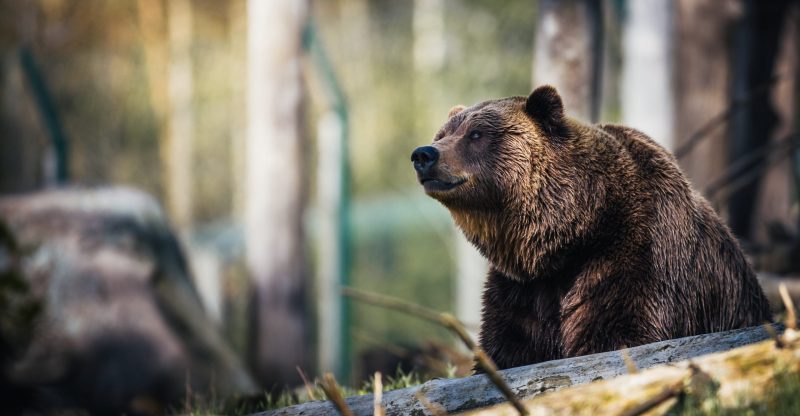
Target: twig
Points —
{"points": [[334, 394], [434, 408], [722, 118], [453, 324], [490, 368], [448, 321], [392, 303], [745, 164], [669, 392], [377, 394], [774, 335], [309, 389], [791, 313], [692, 381]]}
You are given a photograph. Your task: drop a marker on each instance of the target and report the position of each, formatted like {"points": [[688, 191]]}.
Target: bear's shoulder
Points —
{"points": [[648, 155]]}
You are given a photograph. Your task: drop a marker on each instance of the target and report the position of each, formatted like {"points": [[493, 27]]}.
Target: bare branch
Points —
{"points": [[723, 117], [490, 368]]}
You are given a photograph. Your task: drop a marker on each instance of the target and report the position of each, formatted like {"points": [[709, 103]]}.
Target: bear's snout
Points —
{"points": [[424, 158]]}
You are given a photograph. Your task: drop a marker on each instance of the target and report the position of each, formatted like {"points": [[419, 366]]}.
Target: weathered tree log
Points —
{"points": [[731, 379], [529, 381]]}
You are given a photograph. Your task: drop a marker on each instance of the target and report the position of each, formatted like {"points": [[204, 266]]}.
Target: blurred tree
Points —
{"points": [[237, 37], [776, 205], [276, 178], [180, 116], [702, 83], [647, 70], [568, 53], [757, 45]]}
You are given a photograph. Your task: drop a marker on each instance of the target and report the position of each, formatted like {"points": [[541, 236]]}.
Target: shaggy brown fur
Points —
{"points": [[595, 238]]}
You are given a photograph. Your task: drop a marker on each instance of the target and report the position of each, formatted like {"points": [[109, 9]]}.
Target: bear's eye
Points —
{"points": [[475, 135]]}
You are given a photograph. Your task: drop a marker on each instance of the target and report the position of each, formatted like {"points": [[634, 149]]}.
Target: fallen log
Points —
{"points": [[454, 395], [723, 381]]}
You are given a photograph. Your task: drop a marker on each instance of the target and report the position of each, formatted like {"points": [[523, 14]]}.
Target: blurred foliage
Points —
{"points": [[397, 104], [19, 310], [18, 307], [93, 56]]}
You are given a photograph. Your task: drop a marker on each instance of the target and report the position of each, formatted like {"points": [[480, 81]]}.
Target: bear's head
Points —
{"points": [[483, 154], [506, 169]]}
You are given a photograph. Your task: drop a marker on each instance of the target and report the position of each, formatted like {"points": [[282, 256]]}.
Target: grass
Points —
{"points": [[239, 406]]}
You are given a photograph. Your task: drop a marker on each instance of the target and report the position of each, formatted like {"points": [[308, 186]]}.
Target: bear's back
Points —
{"points": [[691, 249]]}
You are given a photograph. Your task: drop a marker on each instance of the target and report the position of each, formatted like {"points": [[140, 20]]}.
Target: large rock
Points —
{"points": [[118, 324]]}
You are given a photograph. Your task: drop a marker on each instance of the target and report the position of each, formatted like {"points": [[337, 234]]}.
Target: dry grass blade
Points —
{"points": [[309, 389], [791, 313], [377, 395], [629, 364], [433, 408], [334, 394]]}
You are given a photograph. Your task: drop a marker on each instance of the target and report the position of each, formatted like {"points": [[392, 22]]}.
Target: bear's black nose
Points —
{"points": [[424, 157]]}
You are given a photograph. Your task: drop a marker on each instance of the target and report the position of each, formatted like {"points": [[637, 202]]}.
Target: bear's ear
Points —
{"points": [[455, 110], [544, 106]]}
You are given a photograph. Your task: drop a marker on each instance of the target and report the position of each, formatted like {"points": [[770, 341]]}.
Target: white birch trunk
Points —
{"points": [[564, 55], [180, 118], [274, 188], [647, 71]]}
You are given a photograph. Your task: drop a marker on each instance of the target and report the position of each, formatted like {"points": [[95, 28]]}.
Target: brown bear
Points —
{"points": [[595, 238]]}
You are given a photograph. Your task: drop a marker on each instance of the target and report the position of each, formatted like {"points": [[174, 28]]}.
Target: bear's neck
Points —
{"points": [[536, 239], [515, 249]]}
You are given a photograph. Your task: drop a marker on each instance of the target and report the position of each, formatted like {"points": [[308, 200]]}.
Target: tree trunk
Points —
{"points": [[647, 73], [180, 119], [778, 189], [702, 84], [759, 40], [568, 53], [237, 35], [275, 184]]}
